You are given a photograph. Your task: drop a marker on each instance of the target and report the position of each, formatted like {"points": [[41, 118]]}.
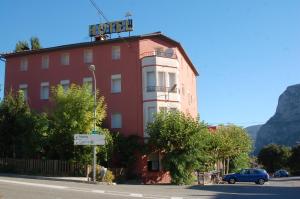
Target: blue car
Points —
{"points": [[259, 176], [281, 173]]}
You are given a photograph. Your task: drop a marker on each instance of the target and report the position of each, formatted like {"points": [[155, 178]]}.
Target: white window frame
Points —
{"points": [[65, 82], [45, 61], [65, 59], [44, 96], [89, 82], [150, 116], [24, 64], [24, 88], [161, 83], [114, 79], [116, 124], [116, 52], [88, 56]]}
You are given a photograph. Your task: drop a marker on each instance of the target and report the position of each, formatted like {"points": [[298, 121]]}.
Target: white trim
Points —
{"points": [[23, 86], [87, 79], [44, 83], [116, 76], [63, 82]]}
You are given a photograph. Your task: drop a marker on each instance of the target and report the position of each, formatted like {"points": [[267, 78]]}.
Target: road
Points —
{"points": [[16, 187]]}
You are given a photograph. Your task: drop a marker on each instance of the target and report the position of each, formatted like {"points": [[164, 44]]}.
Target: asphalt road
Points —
{"points": [[15, 187]]}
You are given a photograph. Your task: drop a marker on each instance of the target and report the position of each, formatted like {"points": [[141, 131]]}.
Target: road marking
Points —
{"points": [[123, 194], [98, 191], [34, 184], [137, 195]]}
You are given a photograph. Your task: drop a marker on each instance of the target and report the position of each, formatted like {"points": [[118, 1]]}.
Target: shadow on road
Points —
{"points": [[244, 191]]}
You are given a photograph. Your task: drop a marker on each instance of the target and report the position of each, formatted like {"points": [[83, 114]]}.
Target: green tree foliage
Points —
{"points": [[294, 160], [72, 113], [233, 141], [125, 150], [35, 43], [179, 137], [21, 131], [239, 162], [274, 157], [21, 46]]}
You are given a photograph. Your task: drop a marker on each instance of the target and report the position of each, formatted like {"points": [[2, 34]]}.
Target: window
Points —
{"points": [[163, 109], [116, 83], [173, 109], [24, 89], [116, 121], [151, 112], [150, 81], [161, 79], [159, 51], [44, 90], [116, 52], [88, 56], [65, 59], [65, 84], [89, 82], [172, 82], [24, 64], [153, 162], [45, 62]]}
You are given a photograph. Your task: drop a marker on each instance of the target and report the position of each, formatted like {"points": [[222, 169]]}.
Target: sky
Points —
{"points": [[246, 51]]}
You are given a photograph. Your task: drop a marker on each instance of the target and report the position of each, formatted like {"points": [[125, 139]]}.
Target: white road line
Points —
{"points": [[124, 194], [98, 191], [34, 184], [137, 195]]}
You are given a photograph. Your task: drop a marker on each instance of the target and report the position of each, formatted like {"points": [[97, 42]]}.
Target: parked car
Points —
{"points": [[281, 173], [259, 176]]}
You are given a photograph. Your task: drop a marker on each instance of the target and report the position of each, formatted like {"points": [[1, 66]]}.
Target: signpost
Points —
{"points": [[89, 139]]}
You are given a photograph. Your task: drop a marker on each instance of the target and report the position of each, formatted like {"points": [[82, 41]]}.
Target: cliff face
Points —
{"points": [[252, 131], [284, 127]]}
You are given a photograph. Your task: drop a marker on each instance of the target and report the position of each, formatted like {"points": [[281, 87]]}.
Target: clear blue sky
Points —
{"points": [[246, 51]]}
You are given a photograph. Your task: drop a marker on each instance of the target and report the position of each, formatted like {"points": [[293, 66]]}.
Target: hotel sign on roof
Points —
{"points": [[110, 27]]}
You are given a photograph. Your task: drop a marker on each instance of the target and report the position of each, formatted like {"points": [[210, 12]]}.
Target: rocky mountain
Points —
{"points": [[284, 127], [252, 131]]}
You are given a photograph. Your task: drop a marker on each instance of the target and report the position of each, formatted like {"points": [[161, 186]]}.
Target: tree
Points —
{"points": [[274, 157], [21, 131], [72, 113], [294, 160], [35, 43], [239, 162], [21, 46], [179, 138], [233, 143]]}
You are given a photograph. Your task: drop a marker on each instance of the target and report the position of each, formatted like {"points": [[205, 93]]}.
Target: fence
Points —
{"points": [[43, 167]]}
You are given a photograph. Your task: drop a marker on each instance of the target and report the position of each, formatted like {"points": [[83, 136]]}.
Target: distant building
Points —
{"points": [[137, 75]]}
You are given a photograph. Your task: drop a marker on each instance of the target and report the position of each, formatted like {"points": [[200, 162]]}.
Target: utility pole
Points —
{"points": [[93, 68]]}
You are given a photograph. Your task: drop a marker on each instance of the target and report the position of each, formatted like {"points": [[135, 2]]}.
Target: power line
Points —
{"points": [[98, 10]]}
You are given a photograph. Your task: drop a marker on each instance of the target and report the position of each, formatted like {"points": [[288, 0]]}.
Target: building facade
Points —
{"points": [[137, 75]]}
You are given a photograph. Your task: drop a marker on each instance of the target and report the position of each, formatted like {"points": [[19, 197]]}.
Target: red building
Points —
{"points": [[137, 75]]}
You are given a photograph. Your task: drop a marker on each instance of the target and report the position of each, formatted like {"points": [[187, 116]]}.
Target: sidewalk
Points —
{"points": [[58, 178]]}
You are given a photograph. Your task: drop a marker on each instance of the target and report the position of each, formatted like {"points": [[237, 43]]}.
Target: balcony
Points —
{"points": [[172, 89], [164, 54]]}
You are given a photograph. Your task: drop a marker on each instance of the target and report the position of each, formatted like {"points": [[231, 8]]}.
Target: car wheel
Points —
{"points": [[261, 181], [231, 181]]}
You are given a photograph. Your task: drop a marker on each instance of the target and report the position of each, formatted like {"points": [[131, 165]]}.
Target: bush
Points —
{"points": [[274, 157], [109, 177], [294, 161]]}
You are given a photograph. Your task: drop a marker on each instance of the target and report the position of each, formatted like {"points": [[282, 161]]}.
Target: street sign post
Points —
{"points": [[89, 139]]}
